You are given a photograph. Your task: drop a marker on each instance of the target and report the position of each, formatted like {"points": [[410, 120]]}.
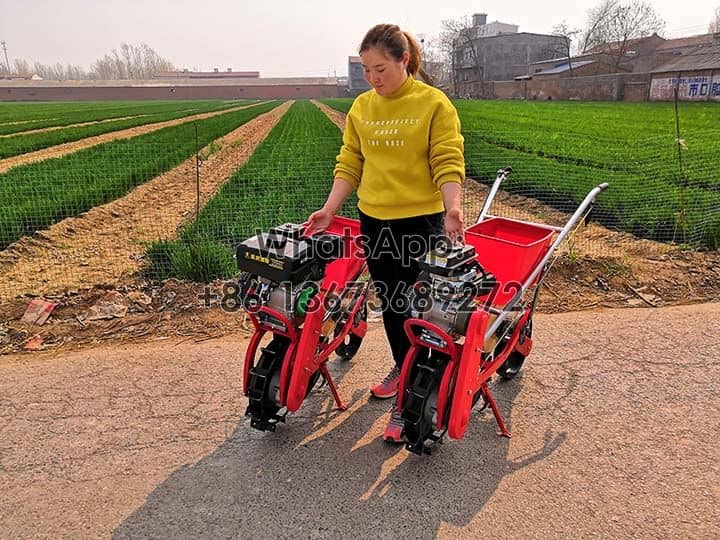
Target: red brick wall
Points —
{"points": [[636, 91], [600, 88], [101, 93]]}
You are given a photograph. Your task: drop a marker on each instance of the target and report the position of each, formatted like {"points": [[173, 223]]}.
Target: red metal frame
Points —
{"points": [[306, 354], [511, 251]]}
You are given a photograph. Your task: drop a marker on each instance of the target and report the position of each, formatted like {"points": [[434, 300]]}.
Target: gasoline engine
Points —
{"points": [[282, 273], [445, 295]]}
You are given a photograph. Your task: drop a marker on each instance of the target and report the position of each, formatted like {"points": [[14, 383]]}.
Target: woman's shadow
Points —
{"points": [[329, 474]]}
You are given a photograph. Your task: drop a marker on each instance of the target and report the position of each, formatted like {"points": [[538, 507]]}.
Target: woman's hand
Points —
{"points": [[454, 226], [319, 221]]}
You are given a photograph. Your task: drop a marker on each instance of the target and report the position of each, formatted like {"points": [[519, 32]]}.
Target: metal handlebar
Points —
{"points": [[587, 202], [502, 174]]}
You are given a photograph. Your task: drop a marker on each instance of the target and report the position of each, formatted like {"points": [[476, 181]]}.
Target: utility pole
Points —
{"points": [[7, 64]]}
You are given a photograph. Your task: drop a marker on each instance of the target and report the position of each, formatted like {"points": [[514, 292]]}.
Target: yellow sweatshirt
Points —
{"points": [[399, 149]]}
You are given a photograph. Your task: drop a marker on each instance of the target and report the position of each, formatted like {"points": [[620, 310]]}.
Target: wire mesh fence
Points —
{"points": [[150, 209]]}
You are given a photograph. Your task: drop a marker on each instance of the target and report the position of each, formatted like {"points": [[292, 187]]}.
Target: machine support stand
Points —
{"points": [[326, 375], [490, 400]]}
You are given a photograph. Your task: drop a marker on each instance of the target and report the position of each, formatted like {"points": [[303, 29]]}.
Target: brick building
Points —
{"points": [[498, 52], [214, 75], [644, 55], [695, 75], [356, 76]]}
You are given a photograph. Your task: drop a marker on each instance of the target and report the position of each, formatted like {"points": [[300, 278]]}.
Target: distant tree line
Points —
{"points": [[130, 62]]}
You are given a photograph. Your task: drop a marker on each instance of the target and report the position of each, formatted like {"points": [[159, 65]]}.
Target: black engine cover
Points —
{"points": [[283, 255]]}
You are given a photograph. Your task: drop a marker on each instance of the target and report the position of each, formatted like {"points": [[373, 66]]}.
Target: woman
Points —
{"points": [[403, 152]]}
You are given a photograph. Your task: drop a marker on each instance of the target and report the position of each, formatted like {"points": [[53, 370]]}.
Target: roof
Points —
{"points": [[614, 45], [667, 44], [690, 41], [169, 83], [575, 59], [513, 34], [356, 59], [207, 74], [562, 68], [16, 75], [700, 58]]}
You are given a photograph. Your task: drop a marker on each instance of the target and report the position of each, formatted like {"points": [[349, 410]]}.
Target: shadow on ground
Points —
{"points": [[329, 474]]}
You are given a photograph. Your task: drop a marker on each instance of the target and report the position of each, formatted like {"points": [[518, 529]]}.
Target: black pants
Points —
{"points": [[390, 248]]}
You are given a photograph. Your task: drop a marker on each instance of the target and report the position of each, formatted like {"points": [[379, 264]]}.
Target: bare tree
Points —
{"points": [[434, 60], [612, 25], [597, 19], [565, 48], [715, 23], [447, 45], [458, 43], [21, 66], [131, 62]]}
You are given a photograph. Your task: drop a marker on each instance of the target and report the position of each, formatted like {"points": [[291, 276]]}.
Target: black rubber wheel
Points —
{"points": [[313, 381], [514, 362], [511, 366], [349, 347], [420, 406]]}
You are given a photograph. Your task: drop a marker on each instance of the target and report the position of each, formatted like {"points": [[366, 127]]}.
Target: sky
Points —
{"points": [[278, 38]]}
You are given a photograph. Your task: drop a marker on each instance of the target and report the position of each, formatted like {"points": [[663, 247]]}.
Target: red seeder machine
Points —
{"points": [[309, 293], [471, 307]]}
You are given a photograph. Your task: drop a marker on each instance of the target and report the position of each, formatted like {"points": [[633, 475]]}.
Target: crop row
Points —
{"points": [[37, 195], [287, 177], [22, 144], [560, 150], [19, 117], [597, 143], [645, 206]]}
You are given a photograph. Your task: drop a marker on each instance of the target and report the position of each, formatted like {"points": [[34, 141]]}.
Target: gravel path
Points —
{"points": [[614, 422]]}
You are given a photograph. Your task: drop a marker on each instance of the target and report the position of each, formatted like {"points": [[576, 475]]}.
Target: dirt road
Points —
{"points": [[614, 422]]}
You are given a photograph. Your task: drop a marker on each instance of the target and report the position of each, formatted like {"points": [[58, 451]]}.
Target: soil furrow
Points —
{"points": [[108, 242]]}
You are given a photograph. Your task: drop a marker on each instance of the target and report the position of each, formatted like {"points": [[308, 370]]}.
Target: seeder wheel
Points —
{"points": [[420, 403], [263, 386], [349, 347], [514, 362]]}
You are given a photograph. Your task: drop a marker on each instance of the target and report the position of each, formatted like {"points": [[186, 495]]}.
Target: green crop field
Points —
{"points": [[21, 143], [18, 117], [560, 150], [37, 195], [287, 177]]}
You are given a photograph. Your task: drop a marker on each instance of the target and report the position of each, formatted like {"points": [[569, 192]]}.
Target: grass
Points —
{"points": [[287, 177], [34, 196], [24, 143]]}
